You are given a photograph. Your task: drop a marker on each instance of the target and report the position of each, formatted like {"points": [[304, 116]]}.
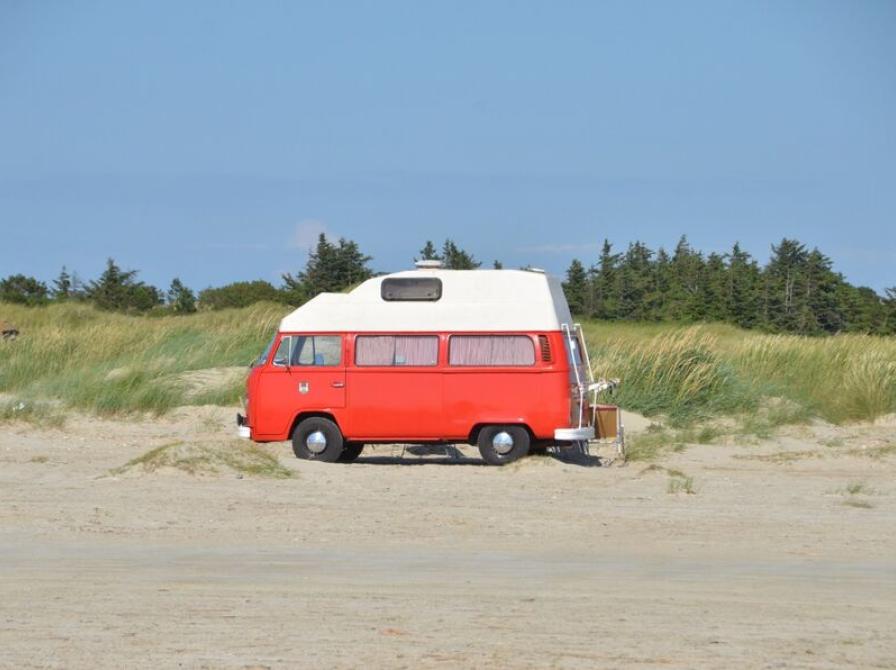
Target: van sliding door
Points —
{"points": [[395, 387]]}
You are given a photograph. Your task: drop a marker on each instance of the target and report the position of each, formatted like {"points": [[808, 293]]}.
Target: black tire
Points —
{"points": [[494, 456], [350, 452], [330, 450]]}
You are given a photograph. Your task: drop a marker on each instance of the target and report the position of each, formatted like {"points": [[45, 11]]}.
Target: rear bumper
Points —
{"points": [[574, 434], [242, 428]]}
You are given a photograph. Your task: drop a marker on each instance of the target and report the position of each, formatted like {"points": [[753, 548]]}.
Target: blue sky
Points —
{"points": [[214, 140]]}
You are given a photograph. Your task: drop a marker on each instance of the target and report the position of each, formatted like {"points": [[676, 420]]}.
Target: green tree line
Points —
{"points": [[331, 266], [796, 291]]}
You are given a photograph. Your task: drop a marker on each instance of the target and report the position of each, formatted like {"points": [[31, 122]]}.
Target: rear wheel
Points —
{"points": [[350, 452], [317, 439], [503, 444]]}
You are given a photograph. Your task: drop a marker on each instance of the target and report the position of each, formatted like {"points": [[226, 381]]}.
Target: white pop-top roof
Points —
{"points": [[472, 300]]}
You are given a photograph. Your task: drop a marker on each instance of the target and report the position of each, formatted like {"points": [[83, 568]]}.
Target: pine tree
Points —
{"points": [[684, 302], [713, 280], [110, 291], [862, 309], [428, 252], [294, 292], [330, 268], [455, 258], [821, 310], [351, 264], [181, 299], [785, 286], [604, 282], [742, 293], [321, 271], [662, 272], [62, 286], [118, 289], [576, 287], [637, 291], [498, 265]]}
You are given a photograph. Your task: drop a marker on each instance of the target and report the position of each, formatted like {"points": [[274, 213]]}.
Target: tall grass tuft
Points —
{"points": [[840, 378], [679, 373], [696, 372], [110, 363]]}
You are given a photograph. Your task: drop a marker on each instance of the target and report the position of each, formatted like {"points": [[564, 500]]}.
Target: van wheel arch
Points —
{"points": [[473, 438], [307, 415], [500, 444]]}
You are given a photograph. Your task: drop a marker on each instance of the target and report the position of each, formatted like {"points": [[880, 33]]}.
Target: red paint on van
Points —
{"points": [[415, 403]]}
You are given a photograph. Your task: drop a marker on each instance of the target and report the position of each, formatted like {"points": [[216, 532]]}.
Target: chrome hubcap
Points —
{"points": [[502, 442], [316, 442]]}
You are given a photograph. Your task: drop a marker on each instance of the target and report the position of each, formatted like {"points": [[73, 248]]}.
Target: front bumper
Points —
{"points": [[242, 428], [574, 434]]}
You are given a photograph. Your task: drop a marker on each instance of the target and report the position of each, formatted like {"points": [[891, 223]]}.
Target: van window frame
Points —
{"points": [[484, 366], [393, 366], [274, 363], [342, 352]]}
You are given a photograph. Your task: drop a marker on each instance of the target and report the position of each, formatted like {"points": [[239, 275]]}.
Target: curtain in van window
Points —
{"points": [[491, 350], [396, 350], [417, 350]]}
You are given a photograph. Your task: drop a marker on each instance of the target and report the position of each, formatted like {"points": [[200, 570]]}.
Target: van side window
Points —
{"points": [[281, 356], [261, 360], [317, 350], [297, 350], [396, 350], [491, 350]]}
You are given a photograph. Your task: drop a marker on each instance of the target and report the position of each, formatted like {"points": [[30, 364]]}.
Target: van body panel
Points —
{"points": [[394, 403], [477, 396], [420, 403], [284, 392]]}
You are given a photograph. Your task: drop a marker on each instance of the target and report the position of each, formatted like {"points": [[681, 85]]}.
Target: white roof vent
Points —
{"points": [[428, 265]]}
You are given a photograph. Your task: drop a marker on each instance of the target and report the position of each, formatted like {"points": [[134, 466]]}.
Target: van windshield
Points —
{"points": [[261, 360]]}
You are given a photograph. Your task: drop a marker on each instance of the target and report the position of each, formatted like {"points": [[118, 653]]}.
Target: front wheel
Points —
{"points": [[503, 444], [317, 439]]}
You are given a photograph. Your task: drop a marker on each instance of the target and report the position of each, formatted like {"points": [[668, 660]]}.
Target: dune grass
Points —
{"points": [[697, 372], [37, 412], [208, 459], [109, 363]]}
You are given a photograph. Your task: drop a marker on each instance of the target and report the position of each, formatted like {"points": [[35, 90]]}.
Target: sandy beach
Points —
{"points": [[782, 556]]}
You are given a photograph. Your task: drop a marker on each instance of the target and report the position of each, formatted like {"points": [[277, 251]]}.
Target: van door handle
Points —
{"points": [[337, 385]]}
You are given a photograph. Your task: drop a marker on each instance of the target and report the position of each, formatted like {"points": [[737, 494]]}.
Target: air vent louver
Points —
{"points": [[545, 348]]}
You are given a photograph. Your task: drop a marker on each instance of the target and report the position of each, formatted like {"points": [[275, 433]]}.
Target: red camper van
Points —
{"points": [[487, 357]]}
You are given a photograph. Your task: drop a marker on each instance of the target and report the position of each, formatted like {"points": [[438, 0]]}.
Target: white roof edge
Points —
{"points": [[472, 300]]}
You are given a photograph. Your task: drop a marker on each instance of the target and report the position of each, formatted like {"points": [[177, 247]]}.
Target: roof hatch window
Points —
{"points": [[411, 288]]}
